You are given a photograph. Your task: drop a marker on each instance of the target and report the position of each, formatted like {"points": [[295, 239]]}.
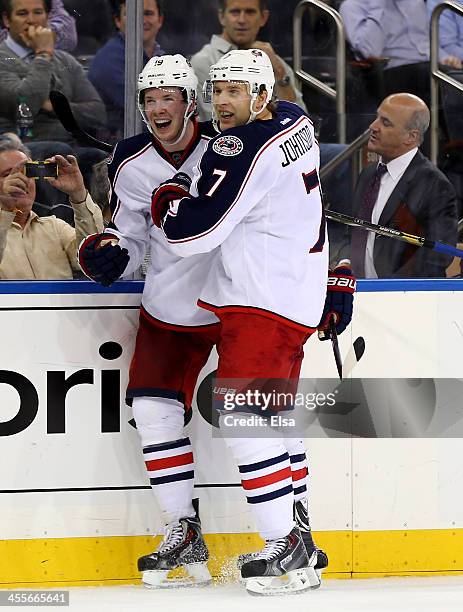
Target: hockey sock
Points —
{"points": [[299, 474], [170, 468], [168, 455], [299, 467], [265, 474]]}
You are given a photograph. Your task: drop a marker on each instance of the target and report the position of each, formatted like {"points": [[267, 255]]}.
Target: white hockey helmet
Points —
{"points": [[251, 66], [168, 71]]}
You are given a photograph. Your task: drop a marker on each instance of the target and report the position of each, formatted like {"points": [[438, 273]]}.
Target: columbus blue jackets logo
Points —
{"points": [[228, 146]]}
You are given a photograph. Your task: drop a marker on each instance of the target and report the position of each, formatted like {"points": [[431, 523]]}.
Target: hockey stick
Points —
{"points": [[335, 346], [64, 113], [382, 230]]}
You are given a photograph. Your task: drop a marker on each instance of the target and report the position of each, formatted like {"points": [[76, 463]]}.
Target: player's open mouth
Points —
{"points": [[225, 115], [162, 124]]}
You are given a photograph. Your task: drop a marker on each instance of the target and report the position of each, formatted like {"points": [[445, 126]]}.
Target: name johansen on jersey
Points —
{"points": [[296, 146]]}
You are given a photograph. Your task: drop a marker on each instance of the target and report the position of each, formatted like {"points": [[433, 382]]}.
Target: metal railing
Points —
{"points": [[438, 75], [338, 94]]}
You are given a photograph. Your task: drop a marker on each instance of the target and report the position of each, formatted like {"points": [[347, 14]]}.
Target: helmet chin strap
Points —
{"points": [[252, 113], [186, 117]]}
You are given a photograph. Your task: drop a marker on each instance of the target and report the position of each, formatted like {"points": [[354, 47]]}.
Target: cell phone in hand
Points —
{"points": [[41, 169]]}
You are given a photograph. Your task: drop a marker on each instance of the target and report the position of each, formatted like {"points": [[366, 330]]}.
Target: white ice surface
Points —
{"points": [[439, 594]]}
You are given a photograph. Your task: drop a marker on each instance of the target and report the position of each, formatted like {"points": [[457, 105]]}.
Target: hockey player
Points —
{"points": [[257, 208], [172, 328], [175, 336]]}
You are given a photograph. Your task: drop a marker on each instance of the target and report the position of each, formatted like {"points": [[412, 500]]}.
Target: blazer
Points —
{"points": [[423, 203]]}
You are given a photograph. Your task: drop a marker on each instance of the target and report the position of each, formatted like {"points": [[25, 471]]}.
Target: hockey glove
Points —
{"points": [[103, 264], [174, 189], [339, 299]]}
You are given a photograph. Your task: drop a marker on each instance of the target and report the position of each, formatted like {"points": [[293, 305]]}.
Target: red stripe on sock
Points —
{"points": [[299, 474], [268, 479], [169, 462]]}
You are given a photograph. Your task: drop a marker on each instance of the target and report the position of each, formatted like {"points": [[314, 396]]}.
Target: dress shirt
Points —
{"points": [[395, 170], [210, 54], [21, 51], [396, 29], [46, 249], [450, 29]]}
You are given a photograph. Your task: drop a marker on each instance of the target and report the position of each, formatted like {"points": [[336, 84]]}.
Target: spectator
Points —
{"points": [[48, 199], [107, 71], [450, 31], [33, 247], [30, 67], [451, 40], [399, 31], [241, 21], [62, 25], [404, 191], [94, 25]]}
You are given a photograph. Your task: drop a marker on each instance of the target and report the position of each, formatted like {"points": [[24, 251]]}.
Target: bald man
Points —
{"points": [[403, 191]]}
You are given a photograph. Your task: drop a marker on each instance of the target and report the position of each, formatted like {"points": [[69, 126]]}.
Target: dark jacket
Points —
{"points": [[107, 74], [423, 203]]}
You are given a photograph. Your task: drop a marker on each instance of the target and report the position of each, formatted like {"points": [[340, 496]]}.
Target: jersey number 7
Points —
{"points": [[221, 174]]}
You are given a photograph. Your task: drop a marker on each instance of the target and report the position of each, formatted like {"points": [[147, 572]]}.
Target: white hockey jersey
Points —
{"points": [[258, 199], [172, 284]]}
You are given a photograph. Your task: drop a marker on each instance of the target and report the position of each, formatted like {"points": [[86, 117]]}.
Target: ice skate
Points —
{"points": [[281, 567], [317, 557], [180, 559], [301, 516]]}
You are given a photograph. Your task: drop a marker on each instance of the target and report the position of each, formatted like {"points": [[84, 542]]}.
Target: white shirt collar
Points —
{"points": [[18, 49], [396, 167]]}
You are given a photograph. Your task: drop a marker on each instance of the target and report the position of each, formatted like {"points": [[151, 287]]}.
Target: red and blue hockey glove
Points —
{"points": [[339, 299], [174, 189], [103, 264]]}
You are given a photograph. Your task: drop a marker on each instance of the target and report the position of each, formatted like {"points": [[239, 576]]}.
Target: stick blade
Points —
{"points": [[354, 355], [359, 347]]}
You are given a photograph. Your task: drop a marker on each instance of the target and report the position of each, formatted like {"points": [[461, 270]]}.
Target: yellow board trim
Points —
{"points": [[112, 560]]}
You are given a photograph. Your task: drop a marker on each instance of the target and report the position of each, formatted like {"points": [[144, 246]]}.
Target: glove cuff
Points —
{"points": [[92, 241], [345, 283]]}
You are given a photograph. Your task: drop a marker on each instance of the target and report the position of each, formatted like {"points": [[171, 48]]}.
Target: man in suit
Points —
{"points": [[404, 191]]}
